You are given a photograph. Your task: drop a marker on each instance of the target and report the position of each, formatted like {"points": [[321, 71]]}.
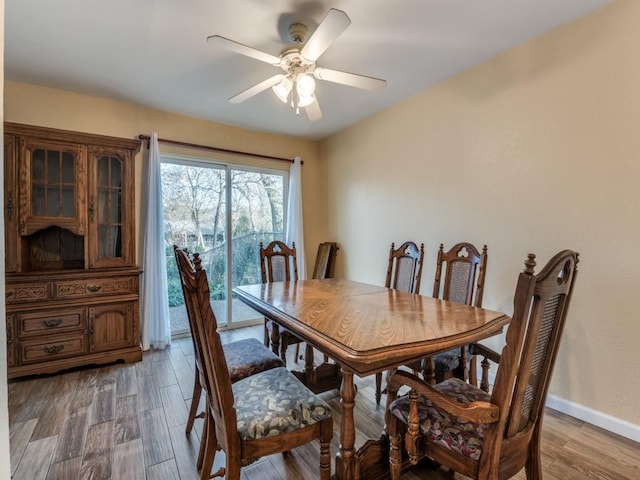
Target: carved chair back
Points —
{"points": [[404, 270], [278, 262], [464, 269]]}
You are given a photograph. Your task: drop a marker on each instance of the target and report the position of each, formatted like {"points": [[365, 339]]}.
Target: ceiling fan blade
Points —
{"points": [[256, 89], [332, 25], [351, 79], [313, 111], [243, 49]]}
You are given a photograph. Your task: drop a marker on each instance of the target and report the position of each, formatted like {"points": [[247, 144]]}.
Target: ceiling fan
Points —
{"points": [[296, 86]]}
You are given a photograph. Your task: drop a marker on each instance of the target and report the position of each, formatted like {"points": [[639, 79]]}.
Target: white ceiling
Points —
{"points": [[154, 52]]}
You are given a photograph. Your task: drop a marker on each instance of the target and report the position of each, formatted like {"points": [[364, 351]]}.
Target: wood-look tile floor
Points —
{"points": [[125, 422]]}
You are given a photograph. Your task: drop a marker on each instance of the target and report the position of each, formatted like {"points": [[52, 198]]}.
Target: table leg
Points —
{"points": [[345, 459], [429, 370]]}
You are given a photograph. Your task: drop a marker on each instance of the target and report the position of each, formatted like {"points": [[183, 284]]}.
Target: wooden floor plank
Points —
{"points": [[19, 437], [36, 459], [164, 373], [72, 435], [185, 449], [175, 410], [127, 426], [128, 461], [65, 470], [166, 470], [148, 393], [126, 383], [104, 403], [96, 463], [155, 437], [186, 378]]}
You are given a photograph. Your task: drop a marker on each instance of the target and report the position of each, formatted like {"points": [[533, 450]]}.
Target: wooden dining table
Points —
{"points": [[365, 329]]}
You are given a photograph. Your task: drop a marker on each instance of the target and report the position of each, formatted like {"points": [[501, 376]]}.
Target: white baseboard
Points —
{"points": [[594, 417], [586, 414]]}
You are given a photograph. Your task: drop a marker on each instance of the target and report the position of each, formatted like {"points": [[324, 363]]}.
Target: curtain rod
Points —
{"points": [[147, 138]]}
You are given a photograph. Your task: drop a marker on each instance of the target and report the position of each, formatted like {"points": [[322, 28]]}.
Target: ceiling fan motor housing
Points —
{"points": [[298, 32]]}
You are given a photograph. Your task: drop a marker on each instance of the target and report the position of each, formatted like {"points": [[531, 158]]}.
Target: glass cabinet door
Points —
{"points": [[110, 208], [53, 189]]}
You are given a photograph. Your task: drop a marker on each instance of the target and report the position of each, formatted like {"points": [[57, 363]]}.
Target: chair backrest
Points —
{"points": [[464, 272], [404, 270], [541, 303], [217, 382], [325, 260], [278, 262], [186, 270]]}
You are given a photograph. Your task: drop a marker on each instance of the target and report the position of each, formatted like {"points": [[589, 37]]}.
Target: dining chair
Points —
{"points": [[484, 435], [460, 274], [263, 414], [404, 272], [324, 267], [279, 263], [244, 357], [325, 264]]}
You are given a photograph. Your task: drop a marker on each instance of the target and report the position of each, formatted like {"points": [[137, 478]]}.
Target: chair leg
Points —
{"points": [[275, 338], [195, 401], [232, 471], [297, 354], [208, 448], [283, 348], [378, 387], [203, 443], [395, 452], [325, 455], [533, 467]]}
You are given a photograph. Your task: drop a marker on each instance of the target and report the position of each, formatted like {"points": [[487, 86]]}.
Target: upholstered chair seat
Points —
{"points": [[247, 357], [274, 402], [440, 427]]}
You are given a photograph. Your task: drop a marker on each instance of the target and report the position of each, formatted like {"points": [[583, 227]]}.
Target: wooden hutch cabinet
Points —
{"points": [[71, 283]]}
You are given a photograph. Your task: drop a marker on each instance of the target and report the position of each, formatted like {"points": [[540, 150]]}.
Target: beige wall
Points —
{"points": [[536, 150], [30, 104]]}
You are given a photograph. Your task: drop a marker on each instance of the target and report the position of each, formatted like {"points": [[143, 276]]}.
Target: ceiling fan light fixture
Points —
{"points": [[306, 100], [305, 85], [283, 89]]}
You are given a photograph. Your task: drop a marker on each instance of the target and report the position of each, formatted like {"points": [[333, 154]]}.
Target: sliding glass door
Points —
{"points": [[223, 213]]}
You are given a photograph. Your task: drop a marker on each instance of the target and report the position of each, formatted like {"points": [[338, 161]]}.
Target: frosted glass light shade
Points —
{"points": [[283, 89]]}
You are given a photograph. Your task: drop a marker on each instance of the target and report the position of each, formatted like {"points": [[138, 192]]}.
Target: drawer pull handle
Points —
{"points": [[53, 349], [8, 294], [94, 288], [52, 323]]}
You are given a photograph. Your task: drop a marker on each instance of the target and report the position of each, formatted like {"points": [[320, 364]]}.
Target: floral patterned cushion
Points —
{"points": [[275, 402], [248, 357], [437, 426]]}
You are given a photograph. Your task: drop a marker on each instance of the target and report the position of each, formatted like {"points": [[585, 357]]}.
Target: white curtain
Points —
{"points": [[294, 231], [156, 328]]}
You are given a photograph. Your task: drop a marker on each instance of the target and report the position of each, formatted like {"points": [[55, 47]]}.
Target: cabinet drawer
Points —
{"points": [[51, 322], [45, 349], [98, 287], [27, 293]]}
